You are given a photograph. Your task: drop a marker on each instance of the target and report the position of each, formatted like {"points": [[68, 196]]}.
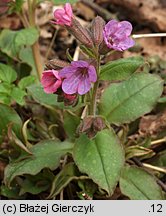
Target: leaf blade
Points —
{"points": [[126, 101], [101, 158], [120, 69], [137, 184], [46, 154]]}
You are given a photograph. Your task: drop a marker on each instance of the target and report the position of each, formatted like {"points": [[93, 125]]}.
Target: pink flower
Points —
{"points": [[51, 81], [116, 35], [78, 77], [63, 16]]}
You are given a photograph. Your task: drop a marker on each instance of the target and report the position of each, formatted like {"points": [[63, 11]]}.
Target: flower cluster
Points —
{"points": [[77, 77], [73, 79]]}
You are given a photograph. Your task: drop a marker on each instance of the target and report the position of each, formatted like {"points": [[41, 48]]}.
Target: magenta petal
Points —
{"points": [[70, 85], [119, 35], [67, 72], [116, 35], [92, 73], [59, 13], [53, 88], [56, 74], [79, 63], [64, 16], [111, 27], [50, 81], [84, 86], [126, 26], [47, 78], [125, 44], [68, 9]]}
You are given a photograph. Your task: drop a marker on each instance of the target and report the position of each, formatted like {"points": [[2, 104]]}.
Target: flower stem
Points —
{"points": [[93, 105], [94, 99]]}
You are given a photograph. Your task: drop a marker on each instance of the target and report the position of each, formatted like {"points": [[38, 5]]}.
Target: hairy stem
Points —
{"points": [[93, 105], [35, 46]]}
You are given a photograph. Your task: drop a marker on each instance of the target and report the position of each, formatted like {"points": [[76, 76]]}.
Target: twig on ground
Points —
{"points": [[136, 36]]}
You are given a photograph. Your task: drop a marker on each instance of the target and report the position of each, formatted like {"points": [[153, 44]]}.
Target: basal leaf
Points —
{"points": [[7, 73], [7, 44], [101, 158], [46, 154], [26, 37], [11, 193], [26, 55], [9, 115], [18, 94], [12, 41], [137, 184], [120, 69], [126, 101], [5, 88], [26, 81], [32, 187], [40, 96], [67, 174]]}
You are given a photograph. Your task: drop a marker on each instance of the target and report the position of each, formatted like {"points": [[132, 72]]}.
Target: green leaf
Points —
{"points": [[7, 44], [12, 41], [5, 99], [160, 159], [33, 187], [45, 99], [126, 101], [5, 88], [7, 74], [26, 81], [64, 1], [26, 37], [9, 115], [71, 123], [102, 158], [16, 6], [120, 69], [64, 177], [162, 100], [40, 96], [18, 95], [46, 154], [11, 193], [26, 55], [137, 184]]}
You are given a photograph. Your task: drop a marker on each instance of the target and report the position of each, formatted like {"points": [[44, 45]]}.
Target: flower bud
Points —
{"points": [[98, 124], [80, 33], [85, 125], [56, 64], [70, 100], [91, 125], [63, 16], [97, 30]]}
